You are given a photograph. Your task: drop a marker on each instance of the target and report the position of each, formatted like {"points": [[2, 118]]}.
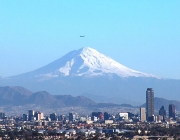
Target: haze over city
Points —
{"points": [[142, 35]]}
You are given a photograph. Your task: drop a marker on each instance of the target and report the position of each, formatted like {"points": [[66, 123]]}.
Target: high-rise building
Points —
{"points": [[25, 117], [42, 116], [106, 116], [142, 114], [171, 111], [72, 117], [31, 114], [149, 104], [2, 115], [94, 114], [53, 116], [39, 115], [162, 111]]}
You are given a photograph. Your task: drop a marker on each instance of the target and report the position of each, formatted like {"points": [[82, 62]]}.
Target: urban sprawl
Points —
{"points": [[98, 125]]}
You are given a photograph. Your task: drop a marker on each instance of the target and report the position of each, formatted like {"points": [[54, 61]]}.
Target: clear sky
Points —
{"points": [[141, 34]]}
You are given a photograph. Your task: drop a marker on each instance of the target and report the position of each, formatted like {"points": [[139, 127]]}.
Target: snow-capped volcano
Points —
{"points": [[87, 62], [92, 74]]}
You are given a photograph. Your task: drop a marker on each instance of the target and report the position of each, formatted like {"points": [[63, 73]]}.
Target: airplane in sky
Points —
{"points": [[82, 36]]}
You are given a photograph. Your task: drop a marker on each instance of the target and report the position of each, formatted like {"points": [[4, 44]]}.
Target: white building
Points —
{"points": [[124, 116]]}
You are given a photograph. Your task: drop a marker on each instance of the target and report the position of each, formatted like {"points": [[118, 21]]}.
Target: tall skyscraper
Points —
{"points": [[162, 111], [31, 114], [142, 114], [171, 111], [149, 104]]}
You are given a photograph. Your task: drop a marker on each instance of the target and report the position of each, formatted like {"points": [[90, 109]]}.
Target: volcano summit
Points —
{"points": [[86, 62], [89, 73]]}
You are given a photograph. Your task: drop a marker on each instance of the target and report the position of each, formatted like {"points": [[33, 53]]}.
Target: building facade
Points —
{"points": [[39, 116], [72, 117], [2, 115], [142, 114], [31, 114], [149, 104], [53, 116], [162, 111], [106, 116], [172, 111]]}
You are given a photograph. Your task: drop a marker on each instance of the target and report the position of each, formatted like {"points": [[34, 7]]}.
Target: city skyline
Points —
{"points": [[142, 35], [89, 126]]}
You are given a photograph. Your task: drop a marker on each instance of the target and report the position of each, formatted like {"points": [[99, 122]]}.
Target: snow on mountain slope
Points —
{"points": [[87, 62]]}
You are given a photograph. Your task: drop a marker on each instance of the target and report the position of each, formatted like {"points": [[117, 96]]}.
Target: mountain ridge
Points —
{"points": [[21, 96], [45, 99]]}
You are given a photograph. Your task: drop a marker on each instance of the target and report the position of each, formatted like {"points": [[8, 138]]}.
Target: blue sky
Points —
{"points": [[142, 35]]}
